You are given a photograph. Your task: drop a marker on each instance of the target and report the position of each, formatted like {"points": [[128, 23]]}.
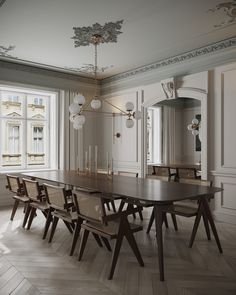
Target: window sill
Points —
{"points": [[25, 170]]}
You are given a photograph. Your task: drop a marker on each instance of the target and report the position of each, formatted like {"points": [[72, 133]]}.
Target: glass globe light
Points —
{"points": [[189, 127], [72, 118], [74, 108], [129, 123], [79, 99], [77, 126], [195, 121], [195, 132], [96, 104], [79, 119], [137, 115], [129, 106]]}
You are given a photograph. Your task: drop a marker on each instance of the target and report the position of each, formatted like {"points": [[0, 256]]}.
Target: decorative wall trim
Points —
{"points": [[2, 2], [209, 49], [43, 71]]}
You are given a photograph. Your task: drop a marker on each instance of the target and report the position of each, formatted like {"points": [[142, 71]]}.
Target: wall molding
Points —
{"points": [[189, 55], [44, 71]]}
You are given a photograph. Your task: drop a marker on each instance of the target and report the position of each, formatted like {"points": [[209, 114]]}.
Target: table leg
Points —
{"points": [[158, 221]]}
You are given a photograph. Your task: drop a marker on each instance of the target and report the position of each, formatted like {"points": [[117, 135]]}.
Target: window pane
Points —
{"points": [[11, 104], [37, 107]]}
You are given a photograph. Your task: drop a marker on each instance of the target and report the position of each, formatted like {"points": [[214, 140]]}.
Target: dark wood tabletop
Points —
{"points": [[140, 189], [176, 166]]}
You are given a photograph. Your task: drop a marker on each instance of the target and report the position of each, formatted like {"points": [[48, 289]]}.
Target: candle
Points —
{"points": [[90, 155], [96, 158], [107, 163], [86, 160], [112, 166]]}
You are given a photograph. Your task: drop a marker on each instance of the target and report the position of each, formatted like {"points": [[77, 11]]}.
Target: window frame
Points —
{"points": [[51, 124]]}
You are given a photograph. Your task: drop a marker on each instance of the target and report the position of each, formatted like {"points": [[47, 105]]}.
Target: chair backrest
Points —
{"points": [[56, 196], [13, 184], [129, 174], [89, 206], [190, 173], [161, 171], [196, 181], [32, 189], [163, 178]]}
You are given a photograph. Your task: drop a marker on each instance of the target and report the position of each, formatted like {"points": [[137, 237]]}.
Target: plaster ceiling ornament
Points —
{"points": [[2, 2], [97, 34], [109, 32], [4, 51], [89, 68], [168, 87], [230, 10]]}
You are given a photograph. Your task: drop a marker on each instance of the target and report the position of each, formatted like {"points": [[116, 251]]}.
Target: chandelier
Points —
{"points": [[194, 127], [95, 35]]}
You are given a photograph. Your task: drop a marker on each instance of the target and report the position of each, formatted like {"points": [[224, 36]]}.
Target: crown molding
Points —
{"points": [[178, 59], [44, 71]]}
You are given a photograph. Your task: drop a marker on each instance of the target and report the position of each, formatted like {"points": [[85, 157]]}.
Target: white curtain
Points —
{"points": [[70, 140]]}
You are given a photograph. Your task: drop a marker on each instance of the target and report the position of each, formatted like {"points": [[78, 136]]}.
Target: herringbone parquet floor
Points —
{"points": [[29, 265]]}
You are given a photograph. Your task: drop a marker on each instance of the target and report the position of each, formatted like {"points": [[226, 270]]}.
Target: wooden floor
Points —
{"points": [[29, 265]]}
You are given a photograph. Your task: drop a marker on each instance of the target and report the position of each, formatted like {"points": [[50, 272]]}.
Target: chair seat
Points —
{"points": [[67, 216], [187, 211], [111, 229], [21, 198], [40, 205]]}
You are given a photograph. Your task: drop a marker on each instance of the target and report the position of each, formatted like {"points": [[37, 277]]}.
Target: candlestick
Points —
{"points": [[107, 163], [96, 158], [86, 160], [90, 155]]}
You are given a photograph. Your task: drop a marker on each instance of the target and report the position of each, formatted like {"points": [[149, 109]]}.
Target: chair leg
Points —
{"points": [[76, 235], [106, 243], [16, 204], [47, 224], [206, 225], [54, 225], [174, 220], [97, 239], [196, 224], [27, 213], [68, 225], [165, 219], [83, 244], [32, 213], [133, 244], [150, 222], [116, 252], [141, 214]]}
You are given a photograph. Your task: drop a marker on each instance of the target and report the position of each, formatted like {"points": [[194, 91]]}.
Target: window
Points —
{"points": [[28, 128], [13, 139], [38, 140]]}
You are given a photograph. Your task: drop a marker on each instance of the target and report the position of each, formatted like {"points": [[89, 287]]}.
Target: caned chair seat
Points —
{"points": [[111, 229], [23, 199], [40, 205], [186, 211]]}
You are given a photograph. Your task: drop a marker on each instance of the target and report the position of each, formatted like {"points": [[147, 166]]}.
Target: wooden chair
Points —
{"points": [[165, 175], [186, 173], [59, 202], [114, 226], [189, 208], [35, 193], [130, 174], [16, 187]]}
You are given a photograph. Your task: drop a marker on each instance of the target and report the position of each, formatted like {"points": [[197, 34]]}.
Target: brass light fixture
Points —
{"points": [[95, 35]]}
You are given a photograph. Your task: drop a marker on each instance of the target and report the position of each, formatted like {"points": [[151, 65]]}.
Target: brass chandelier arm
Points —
{"points": [[102, 112], [123, 112]]}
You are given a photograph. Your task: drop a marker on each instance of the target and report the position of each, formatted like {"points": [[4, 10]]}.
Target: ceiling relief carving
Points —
{"points": [[229, 9], [89, 68], [4, 51], [109, 32], [2, 2]]}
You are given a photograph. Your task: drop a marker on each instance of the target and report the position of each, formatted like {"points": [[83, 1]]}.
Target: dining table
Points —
{"points": [[140, 191]]}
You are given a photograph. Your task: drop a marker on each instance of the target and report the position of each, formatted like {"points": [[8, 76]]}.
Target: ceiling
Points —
{"points": [[153, 30]]}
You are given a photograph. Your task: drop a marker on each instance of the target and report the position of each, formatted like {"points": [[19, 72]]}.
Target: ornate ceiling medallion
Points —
{"points": [[2, 2], [4, 51], [230, 10], [89, 68], [109, 32]]}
